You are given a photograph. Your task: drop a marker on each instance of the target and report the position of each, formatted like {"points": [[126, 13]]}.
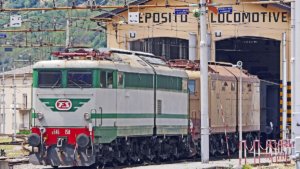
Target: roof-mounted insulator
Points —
{"points": [[184, 64], [82, 55]]}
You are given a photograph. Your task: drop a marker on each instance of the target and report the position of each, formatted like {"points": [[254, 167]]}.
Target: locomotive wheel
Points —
{"points": [[221, 146], [213, 146], [249, 139]]}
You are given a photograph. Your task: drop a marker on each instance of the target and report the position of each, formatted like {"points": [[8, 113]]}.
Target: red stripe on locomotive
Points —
{"points": [[52, 134]]}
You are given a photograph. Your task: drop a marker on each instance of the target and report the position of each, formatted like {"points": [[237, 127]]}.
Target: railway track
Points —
{"points": [[19, 163], [215, 163], [16, 163]]}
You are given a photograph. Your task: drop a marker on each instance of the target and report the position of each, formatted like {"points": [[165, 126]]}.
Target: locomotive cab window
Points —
{"points": [[79, 79], [120, 80], [192, 87], [49, 79], [106, 79]]}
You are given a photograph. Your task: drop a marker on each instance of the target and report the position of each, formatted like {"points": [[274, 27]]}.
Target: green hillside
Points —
{"points": [[82, 30]]}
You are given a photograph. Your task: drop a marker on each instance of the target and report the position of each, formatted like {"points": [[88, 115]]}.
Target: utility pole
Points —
{"points": [[204, 83], [296, 81], [296, 69], [292, 51], [3, 99], [68, 33], [284, 84]]}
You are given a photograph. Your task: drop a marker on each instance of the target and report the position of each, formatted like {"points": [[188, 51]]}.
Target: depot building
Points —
{"points": [[251, 33]]}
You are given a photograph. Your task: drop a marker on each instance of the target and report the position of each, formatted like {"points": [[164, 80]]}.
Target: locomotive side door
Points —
{"points": [[105, 120]]}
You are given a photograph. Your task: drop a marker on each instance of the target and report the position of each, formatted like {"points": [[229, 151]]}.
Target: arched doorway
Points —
{"points": [[261, 57]]}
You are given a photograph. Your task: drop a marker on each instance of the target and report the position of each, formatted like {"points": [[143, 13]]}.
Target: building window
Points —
{"points": [[169, 48], [25, 100]]}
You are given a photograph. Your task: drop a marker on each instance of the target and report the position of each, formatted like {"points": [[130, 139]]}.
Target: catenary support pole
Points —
{"points": [[296, 82], [204, 84], [240, 109], [68, 33], [292, 52], [292, 59], [3, 100], [296, 75], [284, 86]]}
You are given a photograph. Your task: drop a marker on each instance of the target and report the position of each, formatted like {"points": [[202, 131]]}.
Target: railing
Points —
{"points": [[275, 151]]}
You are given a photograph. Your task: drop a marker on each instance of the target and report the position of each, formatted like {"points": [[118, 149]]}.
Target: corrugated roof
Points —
{"points": [[18, 71]]}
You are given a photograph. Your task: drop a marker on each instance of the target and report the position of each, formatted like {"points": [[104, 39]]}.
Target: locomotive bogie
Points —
{"points": [[66, 155]]}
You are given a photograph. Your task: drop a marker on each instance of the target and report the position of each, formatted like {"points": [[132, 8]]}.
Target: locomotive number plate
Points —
{"points": [[67, 131], [55, 132]]}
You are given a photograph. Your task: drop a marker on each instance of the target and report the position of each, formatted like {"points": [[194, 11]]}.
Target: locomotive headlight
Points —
{"points": [[34, 140], [82, 140], [87, 116], [40, 116]]}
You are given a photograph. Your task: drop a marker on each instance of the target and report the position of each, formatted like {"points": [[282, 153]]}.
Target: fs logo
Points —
{"points": [[63, 104]]}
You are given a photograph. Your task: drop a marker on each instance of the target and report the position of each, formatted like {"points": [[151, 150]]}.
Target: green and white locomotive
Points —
{"points": [[113, 106], [94, 108]]}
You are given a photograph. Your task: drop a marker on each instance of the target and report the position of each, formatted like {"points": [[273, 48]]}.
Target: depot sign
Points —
{"points": [[222, 17], [245, 17], [163, 17]]}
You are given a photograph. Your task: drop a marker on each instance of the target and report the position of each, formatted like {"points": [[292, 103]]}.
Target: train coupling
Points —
{"points": [[60, 142]]}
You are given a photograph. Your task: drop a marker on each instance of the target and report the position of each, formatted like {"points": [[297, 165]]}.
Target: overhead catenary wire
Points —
{"points": [[95, 7], [32, 30]]}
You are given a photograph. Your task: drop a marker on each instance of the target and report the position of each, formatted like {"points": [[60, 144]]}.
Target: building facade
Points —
{"points": [[15, 91]]}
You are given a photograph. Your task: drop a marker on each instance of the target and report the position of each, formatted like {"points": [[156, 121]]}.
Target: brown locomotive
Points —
{"points": [[223, 104]]}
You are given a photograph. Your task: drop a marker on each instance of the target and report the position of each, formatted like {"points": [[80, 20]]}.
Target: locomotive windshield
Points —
{"points": [[50, 79], [80, 79]]}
